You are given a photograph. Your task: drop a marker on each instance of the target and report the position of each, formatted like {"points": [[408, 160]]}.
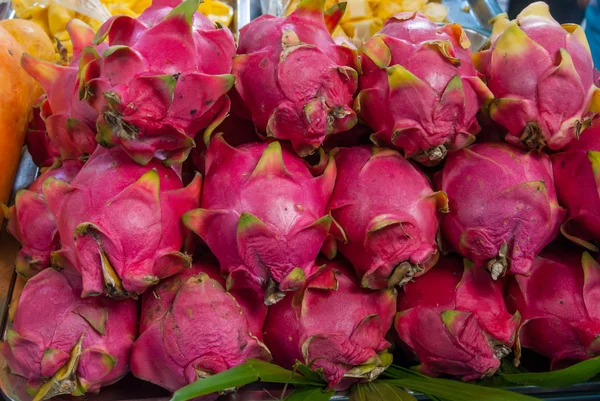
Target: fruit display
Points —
{"points": [[53, 16], [299, 211]]}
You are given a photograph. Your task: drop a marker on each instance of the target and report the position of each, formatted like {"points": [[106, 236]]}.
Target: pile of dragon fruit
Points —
{"points": [[289, 198]]}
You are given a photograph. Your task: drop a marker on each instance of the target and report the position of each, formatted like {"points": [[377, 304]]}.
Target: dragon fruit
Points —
{"points": [[419, 89], [70, 123], [386, 216], [164, 78], [294, 80], [455, 321], [542, 76], [64, 344], [333, 326], [119, 222], [557, 304], [31, 222], [191, 328], [263, 215], [43, 151], [503, 206], [577, 179]]}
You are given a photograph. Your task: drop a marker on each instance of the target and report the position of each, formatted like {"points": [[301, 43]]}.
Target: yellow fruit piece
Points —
{"points": [[58, 16], [435, 11], [411, 5], [361, 30], [217, 11], [33, 40], [357, 9], [386, 9], [138, 6]]}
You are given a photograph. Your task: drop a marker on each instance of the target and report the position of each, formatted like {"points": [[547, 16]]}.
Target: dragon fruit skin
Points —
{"points": [[31, 222], [70, 123], [503, 206], [386, 216], [43, 151], [192, 328], [455, 321], [334, 324], [577, 180], [119, 222], [419, 90], [557, 303], [542, 76], [263, 215], [153, 99], [76, 344], [294, 80]]}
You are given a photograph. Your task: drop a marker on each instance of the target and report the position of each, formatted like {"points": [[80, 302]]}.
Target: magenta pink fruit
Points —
{"points": [[560, 317], [386, 216], [191, 328], [164, 78], [65, 344], [577, 179], [69, 122], [503, 207], [263, 215], [295, 81], [43, 151], [455, 321], [542, 76], [333, 325], [31, 222], [419, 89], [119, 222]]}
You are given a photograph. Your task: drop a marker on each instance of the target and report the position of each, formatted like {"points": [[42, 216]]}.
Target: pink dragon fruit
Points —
{"points": [[333, 326], [192, 328], [43, 151], [542, 76], [31, 222], [455, 321], [561, 319], [70, 123], [164, 77], [503, 207], [64, 344], [577, 179], [295, 81], [119, 222], [263, 215], [419, 89], [386, 216]]}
